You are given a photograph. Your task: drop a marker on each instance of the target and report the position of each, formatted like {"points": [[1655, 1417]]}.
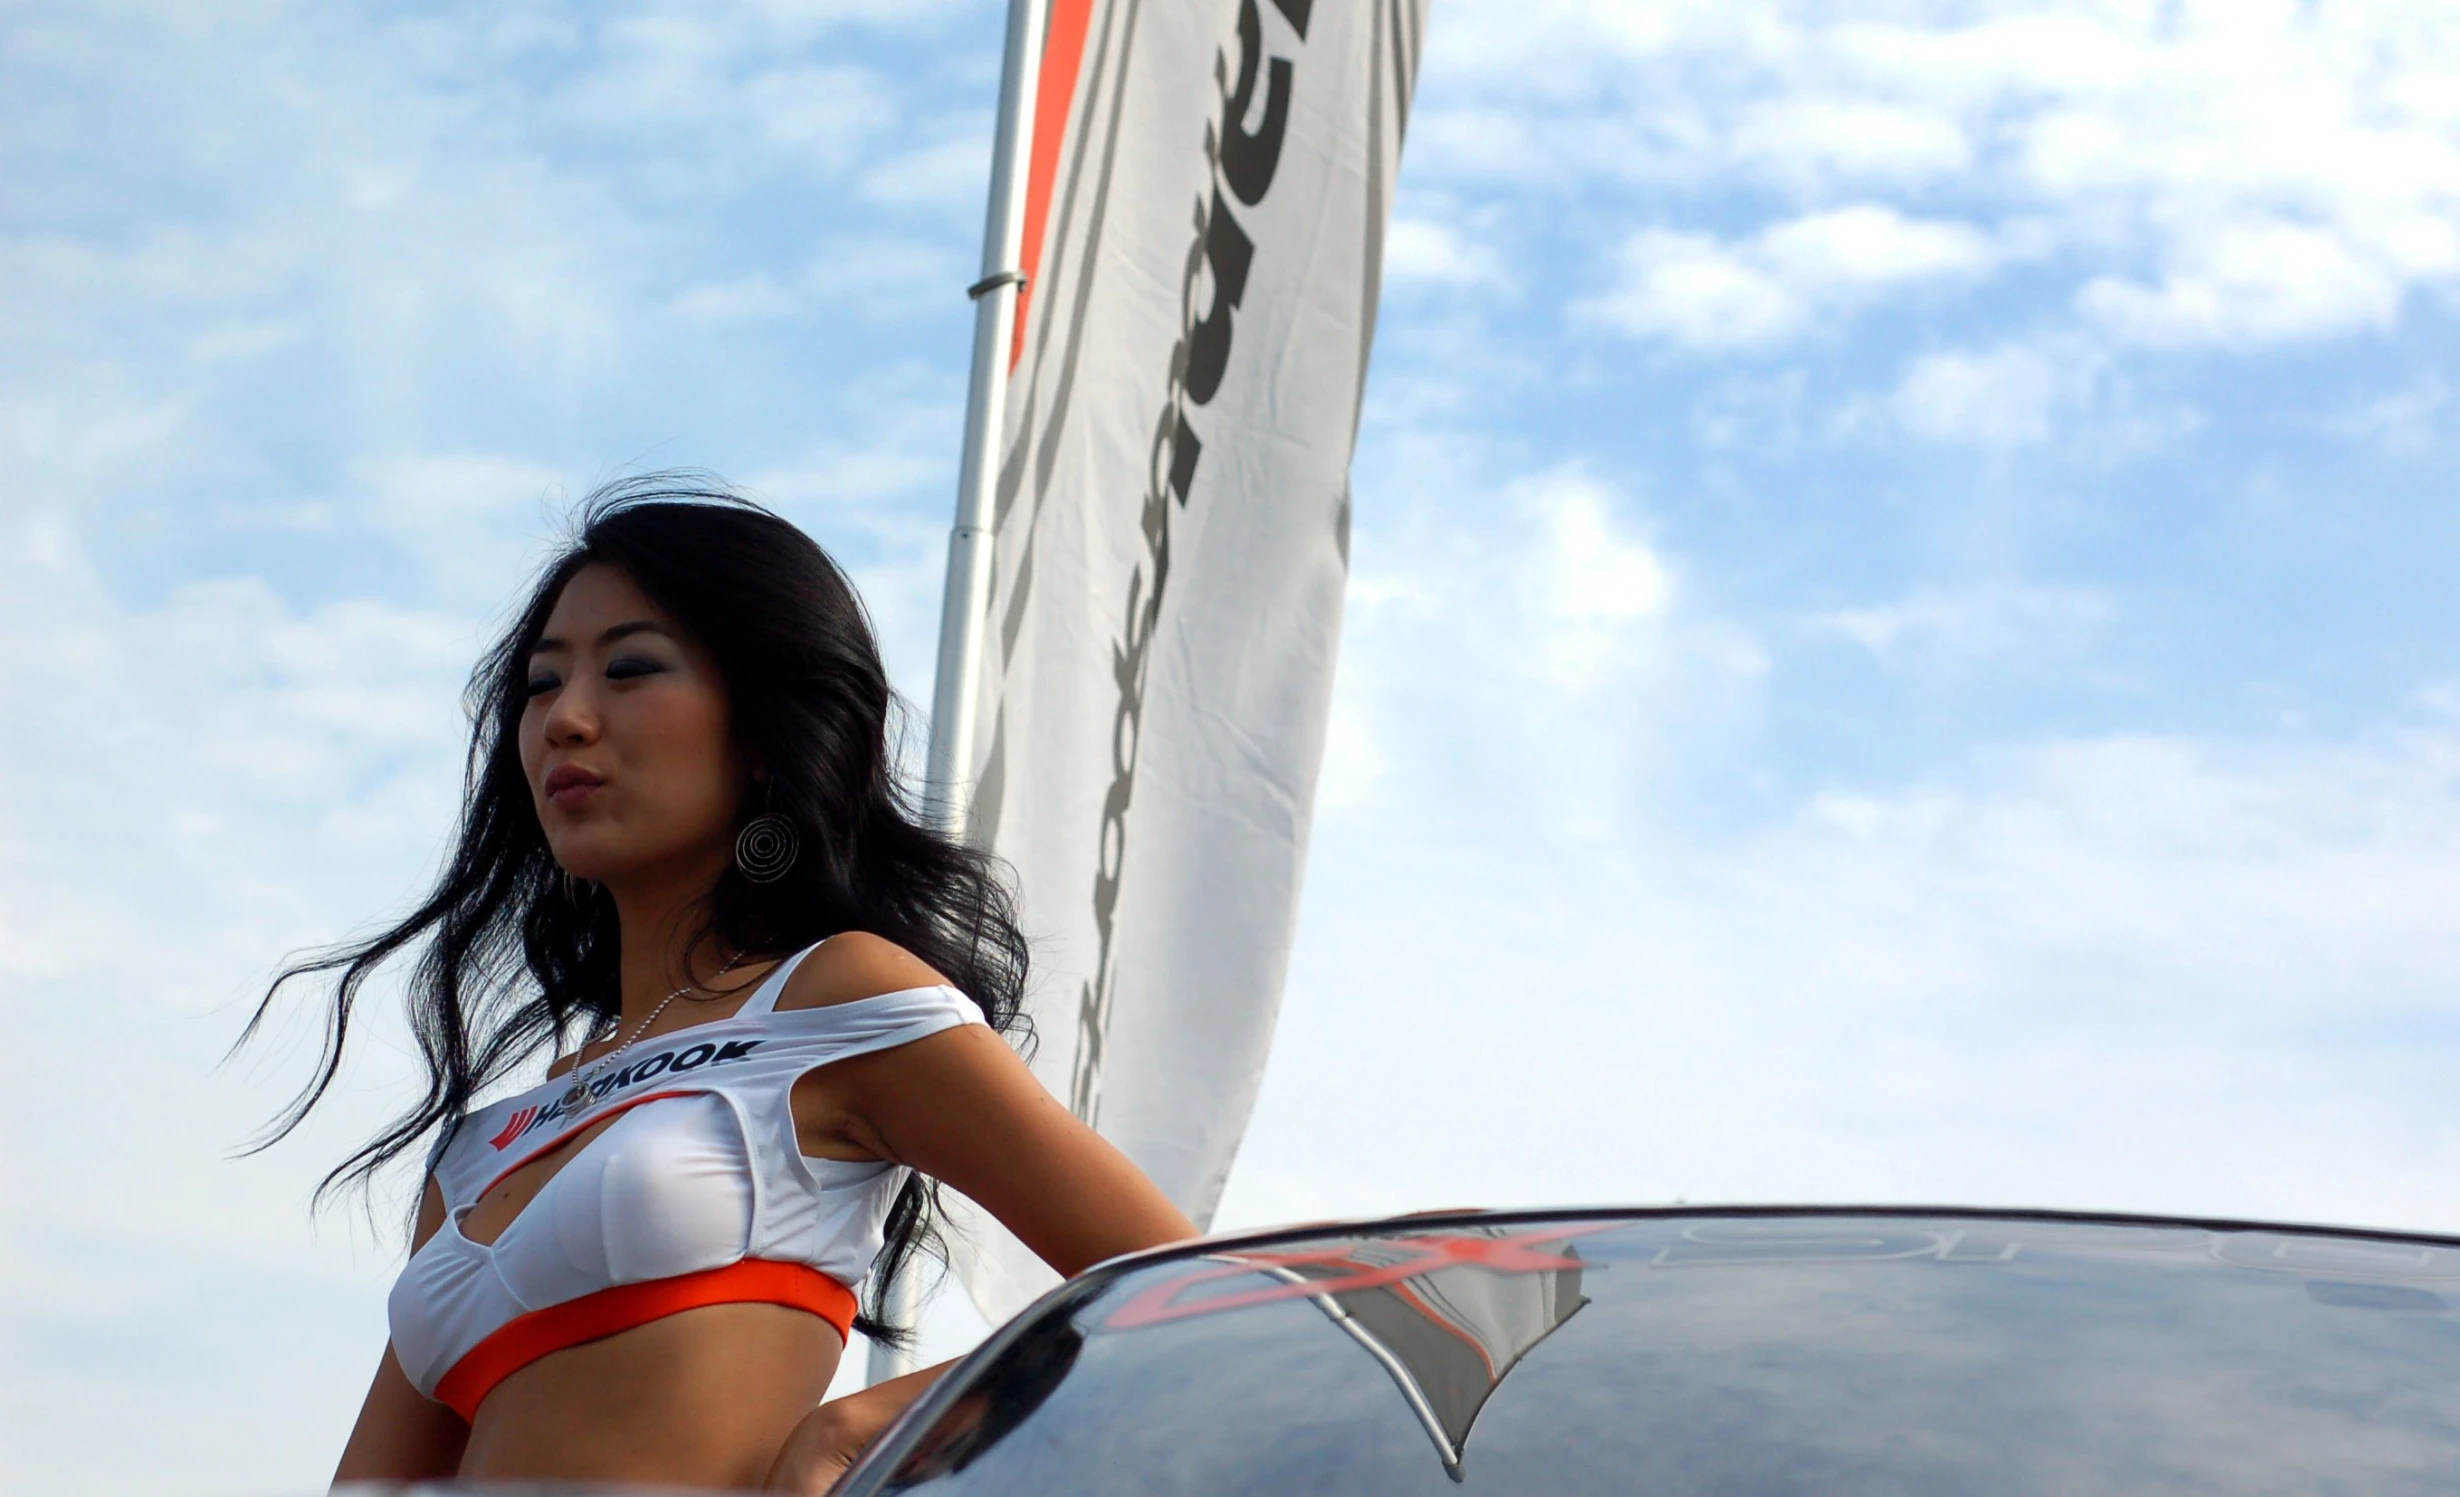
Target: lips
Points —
{"points": [[569, 784]]}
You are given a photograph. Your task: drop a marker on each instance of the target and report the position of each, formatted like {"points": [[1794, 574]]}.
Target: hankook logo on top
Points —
{"points": [[677, 1061]]}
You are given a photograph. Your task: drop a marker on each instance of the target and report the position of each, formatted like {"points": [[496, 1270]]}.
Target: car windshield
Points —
{"points": [[1811, 1353]]}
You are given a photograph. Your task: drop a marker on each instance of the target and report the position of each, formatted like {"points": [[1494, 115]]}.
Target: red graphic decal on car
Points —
{"points": [[1512, 1253]]}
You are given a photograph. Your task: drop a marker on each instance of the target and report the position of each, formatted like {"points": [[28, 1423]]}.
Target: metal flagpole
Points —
{"points": [[967, 599]]}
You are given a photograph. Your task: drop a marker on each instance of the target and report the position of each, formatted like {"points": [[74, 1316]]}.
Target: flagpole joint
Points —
{"points": [[991, 283]]}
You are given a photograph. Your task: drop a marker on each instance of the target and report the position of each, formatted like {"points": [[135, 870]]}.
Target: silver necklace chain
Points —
{"points": [[577, 1095]]}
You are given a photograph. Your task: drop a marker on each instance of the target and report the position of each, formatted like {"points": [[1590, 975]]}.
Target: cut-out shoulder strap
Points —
{"points": [[882, 1021], [764, 998]]}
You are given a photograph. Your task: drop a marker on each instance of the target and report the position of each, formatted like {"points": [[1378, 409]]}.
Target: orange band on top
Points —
{"points": [[523, 1340]]}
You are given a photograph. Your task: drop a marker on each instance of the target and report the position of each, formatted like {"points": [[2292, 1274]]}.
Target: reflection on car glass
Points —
{"points": [[2351, 1296], [1346, 1265], [1445, 1314], [1017, 1382], [1448, 1336]]}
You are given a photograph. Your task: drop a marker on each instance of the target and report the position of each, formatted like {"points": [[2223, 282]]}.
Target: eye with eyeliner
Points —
{"points": [[541, 682], [631, 667]]}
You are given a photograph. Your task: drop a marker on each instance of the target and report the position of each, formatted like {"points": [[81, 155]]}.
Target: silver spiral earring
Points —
{"points": [[578, 892], [766, 847]]}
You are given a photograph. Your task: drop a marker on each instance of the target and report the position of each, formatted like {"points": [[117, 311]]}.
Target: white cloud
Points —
{"points": [[2208, 174], [474, 523], [2002, 397], [1528, 639], [1762, 414], [1589, 580], [949, 176], [829, 112], [1705, 294], [1808, 142], [1353, 762], [1954, 630], [881, 274], [2408, 420], [715, 80], [868, 277], [1591, 572], [1423, 251], [1869, 247], [2250, 283], [751, 298], [803, 18], [1691, 289], [2125, 971]]}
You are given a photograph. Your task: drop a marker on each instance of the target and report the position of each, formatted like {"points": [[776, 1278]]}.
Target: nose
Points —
{"points": [[572, 720]]}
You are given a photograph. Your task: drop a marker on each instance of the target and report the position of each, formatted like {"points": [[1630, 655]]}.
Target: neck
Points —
{"points": [[660, 916]]}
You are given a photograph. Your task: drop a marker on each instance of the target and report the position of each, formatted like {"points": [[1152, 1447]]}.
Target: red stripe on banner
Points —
{"points": [[1063, 51]]}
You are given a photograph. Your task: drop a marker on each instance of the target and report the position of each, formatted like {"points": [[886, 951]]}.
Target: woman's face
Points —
{"points": [[625, 739]]}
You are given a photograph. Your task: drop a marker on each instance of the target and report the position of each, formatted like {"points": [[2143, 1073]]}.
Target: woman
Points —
{"points": [[683, 835]]}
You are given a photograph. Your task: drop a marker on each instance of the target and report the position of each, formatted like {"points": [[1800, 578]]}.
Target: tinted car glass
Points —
{"points": [[1721, 1354]]}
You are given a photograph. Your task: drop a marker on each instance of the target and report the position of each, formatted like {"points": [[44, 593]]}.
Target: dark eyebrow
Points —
{"points": [[620, 631]]}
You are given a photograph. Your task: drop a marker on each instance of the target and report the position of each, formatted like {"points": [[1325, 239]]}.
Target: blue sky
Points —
{"points": [[1900, 644]]}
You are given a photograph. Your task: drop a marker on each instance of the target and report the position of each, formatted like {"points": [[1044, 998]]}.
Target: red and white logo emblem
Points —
{"points": [[514, 1126]]}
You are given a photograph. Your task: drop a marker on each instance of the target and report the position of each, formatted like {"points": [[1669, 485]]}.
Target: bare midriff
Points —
{"points": [[700, 1398]]}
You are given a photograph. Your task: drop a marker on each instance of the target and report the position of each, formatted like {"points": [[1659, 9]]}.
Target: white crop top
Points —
{"points": [[704, 1197]]}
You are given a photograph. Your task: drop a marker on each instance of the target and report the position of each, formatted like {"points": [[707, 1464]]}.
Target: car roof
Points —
{"points": [[1448, 1346]]}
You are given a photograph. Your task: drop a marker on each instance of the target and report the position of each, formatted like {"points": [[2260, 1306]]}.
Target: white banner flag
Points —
{"points": [[1204, 225]]}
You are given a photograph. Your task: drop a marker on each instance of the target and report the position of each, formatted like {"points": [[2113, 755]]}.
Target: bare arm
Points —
{"points": [[402, 1435], [960, 1106]]}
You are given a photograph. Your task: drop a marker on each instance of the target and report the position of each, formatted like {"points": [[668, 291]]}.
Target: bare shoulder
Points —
{"points": [[856, 964]]}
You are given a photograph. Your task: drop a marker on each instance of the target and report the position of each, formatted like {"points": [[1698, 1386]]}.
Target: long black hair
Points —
{"points": [[510, 962]]}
